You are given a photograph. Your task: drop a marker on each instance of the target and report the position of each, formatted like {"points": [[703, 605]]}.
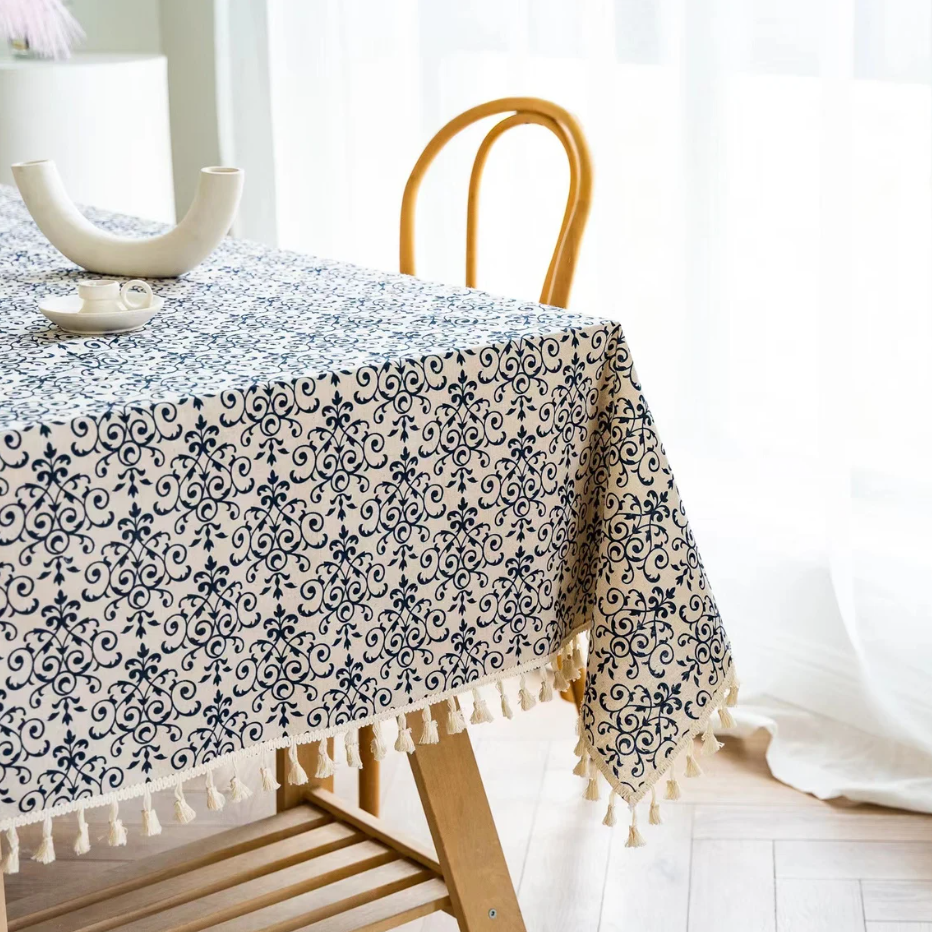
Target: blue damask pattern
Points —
{"points": [[309, 495]]}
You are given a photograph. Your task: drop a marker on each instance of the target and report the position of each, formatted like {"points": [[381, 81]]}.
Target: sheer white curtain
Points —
{"points": [[762, 227]]}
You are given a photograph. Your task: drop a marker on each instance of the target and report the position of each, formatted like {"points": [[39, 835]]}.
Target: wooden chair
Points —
{"points": [[522, 110], [557, 284]]}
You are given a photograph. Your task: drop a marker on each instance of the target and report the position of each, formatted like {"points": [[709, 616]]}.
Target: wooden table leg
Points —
{"points": [[578, 688], [460, 821], [369, 791], [576, 692], [288, 796], [3, 922]]}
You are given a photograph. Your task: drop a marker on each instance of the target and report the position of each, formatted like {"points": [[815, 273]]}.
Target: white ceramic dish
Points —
{"points": [[65, 312]]}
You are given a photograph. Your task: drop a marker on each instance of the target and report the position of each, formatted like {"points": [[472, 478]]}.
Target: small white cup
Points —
{"points": [[99, 295], [103, 296]]}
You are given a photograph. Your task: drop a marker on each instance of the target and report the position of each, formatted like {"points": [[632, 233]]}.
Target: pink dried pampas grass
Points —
{"points": [[46, 25]]}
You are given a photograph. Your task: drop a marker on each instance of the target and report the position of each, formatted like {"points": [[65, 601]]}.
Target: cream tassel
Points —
{"points": [[184, 812], [592, 787], [506, 705], [574, 672], [239, 791], [580, 741], [732, 699], [480, 711], [692, 768], [404, 743], [635, 838], [456, 721], [297, 775], [267, 775], [610, 818], [726, 717], [582, 765], [150, 819], [578, 661], [546, 687], [45, 853], [560, 684], [710, 744], [673, 792], [525, 698], [11, 861], [351, 747], [116, 837], [215, 799], [324, 767], [654, 817], [564, 664], [430, 734], [82, 843], [378, 747]]}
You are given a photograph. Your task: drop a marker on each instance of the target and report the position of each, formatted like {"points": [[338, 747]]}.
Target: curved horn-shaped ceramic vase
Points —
{"points": [[164, 256]]}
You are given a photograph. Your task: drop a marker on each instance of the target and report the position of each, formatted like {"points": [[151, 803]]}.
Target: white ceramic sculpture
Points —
{"points": [[164, 256]]}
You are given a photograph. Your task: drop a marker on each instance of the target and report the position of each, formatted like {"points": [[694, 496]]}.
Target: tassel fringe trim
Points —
{"points": [[430, 733], [456, 721], [267, 776], [480, 711], [116, 837], [506, 704], [592, 787], [564, 667], [239, 791], [82, 841], [297, 775], [635, 838], [724, 699], [404, 743], [215, 799], [351, 748], [184, 813], [378, 747], [324, 762], [150, 820], [654, 817], [45, 853]]}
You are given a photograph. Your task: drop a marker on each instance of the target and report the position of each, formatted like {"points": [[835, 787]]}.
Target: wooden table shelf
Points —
{"points": [[304, 868], [318, 865]]}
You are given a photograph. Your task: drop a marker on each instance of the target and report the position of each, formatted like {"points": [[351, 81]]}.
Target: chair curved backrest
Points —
{"points": [[523, 110]]}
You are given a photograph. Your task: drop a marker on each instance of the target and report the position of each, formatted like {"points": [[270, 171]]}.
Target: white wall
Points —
{"points": [[182, 30], [202, 133], [120, 25], [187, 35]]}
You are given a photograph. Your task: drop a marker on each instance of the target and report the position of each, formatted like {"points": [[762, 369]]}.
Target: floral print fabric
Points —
{"points": [[308, 496]]}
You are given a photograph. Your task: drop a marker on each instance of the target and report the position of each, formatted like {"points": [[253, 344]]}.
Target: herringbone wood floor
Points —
{"points": [[741, 851]]}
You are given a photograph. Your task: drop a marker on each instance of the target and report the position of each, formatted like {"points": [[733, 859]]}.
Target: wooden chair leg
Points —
{"points": [[3, 922], [576, 692], [464, 834], [369, 790], [288, 796]]}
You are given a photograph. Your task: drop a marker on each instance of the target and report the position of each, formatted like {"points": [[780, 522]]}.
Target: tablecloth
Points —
{"points": [[310, 496]]}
